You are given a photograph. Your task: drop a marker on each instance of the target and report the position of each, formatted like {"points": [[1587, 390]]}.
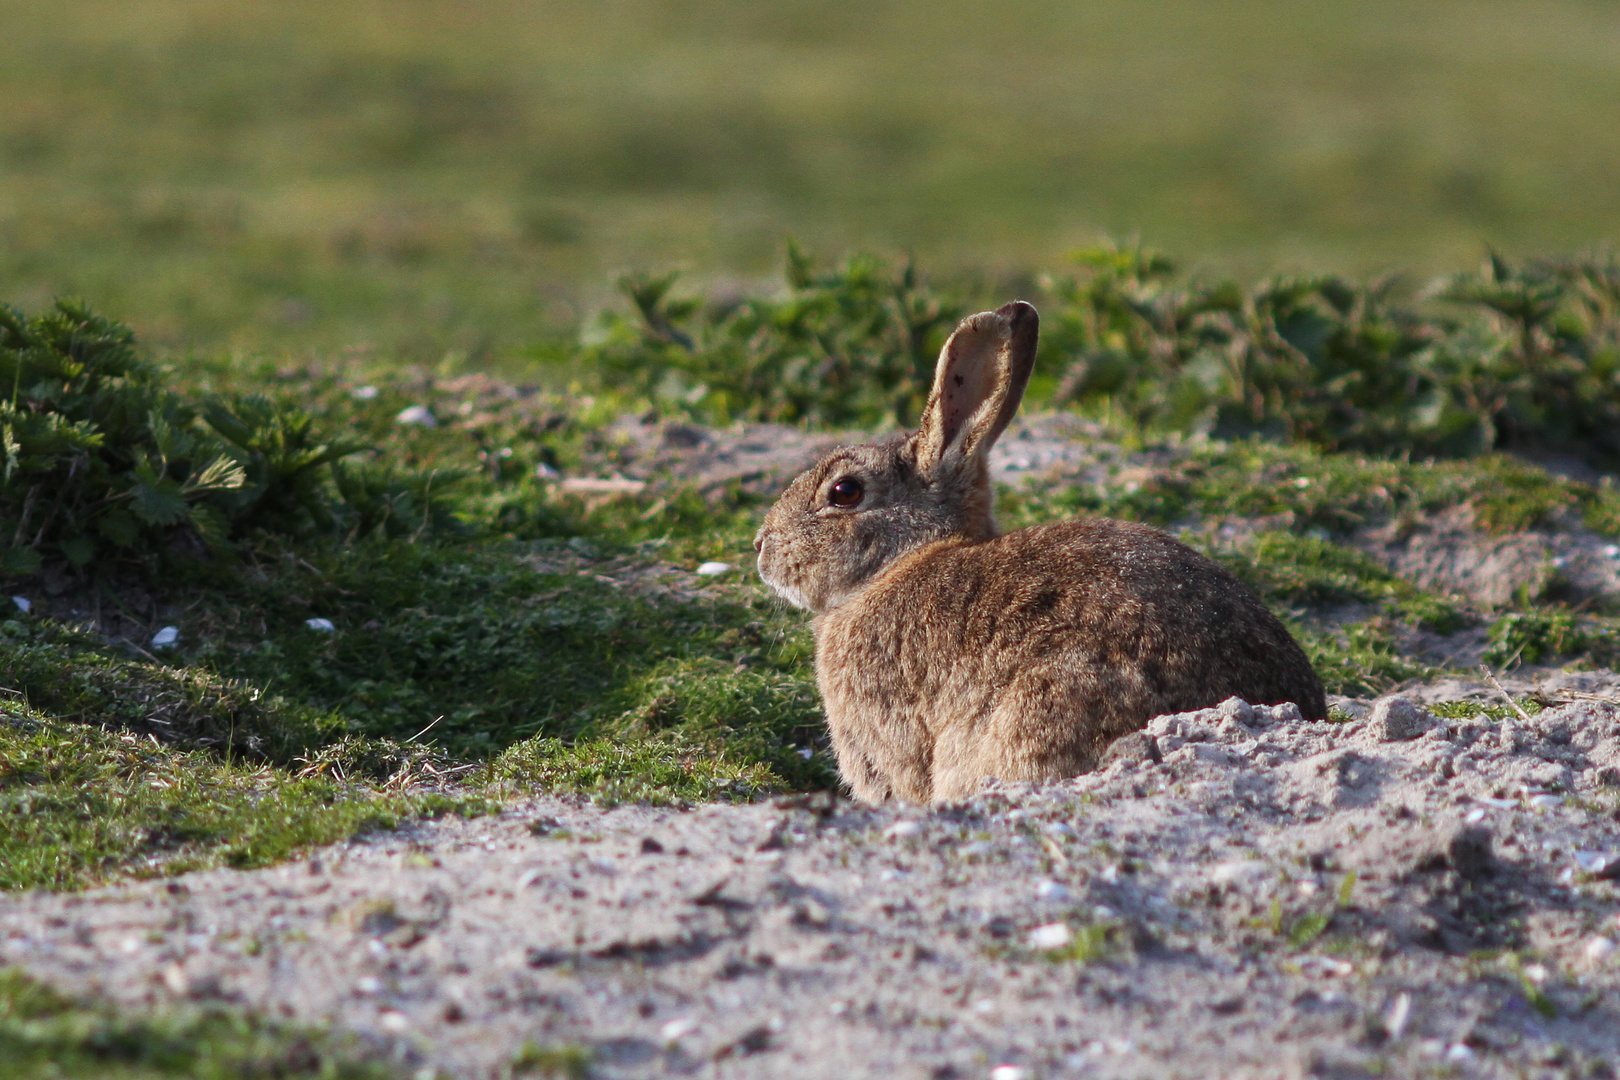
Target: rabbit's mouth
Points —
{"points": [[791, 593]]}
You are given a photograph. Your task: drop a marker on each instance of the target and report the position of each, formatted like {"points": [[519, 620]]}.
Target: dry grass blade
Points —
{"points": [[1490, 678]]}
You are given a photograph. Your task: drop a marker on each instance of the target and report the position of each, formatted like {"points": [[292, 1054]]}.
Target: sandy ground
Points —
{"points": [[1392, 896]]}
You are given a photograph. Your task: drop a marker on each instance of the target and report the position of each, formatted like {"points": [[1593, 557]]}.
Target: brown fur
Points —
{"points": [[946, 653]]}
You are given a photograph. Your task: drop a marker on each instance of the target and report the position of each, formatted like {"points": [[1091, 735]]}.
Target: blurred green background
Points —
{"points": [[407, 178]]}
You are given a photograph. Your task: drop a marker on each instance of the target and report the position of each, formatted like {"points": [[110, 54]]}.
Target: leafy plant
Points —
{"points": [[851, 345], [98, 457], [1534, 360]]}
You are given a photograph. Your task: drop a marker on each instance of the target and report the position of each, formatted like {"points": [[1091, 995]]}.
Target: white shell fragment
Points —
{"points": [[1051, 936], [364, 393], [1399, 1013], [675, 1030], [417, 416], [714, 569], [323, 625], [1052, 890], [166, 638]]}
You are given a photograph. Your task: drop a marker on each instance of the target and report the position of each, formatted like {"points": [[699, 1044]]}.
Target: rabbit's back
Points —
{"points": [[1023, 656]]}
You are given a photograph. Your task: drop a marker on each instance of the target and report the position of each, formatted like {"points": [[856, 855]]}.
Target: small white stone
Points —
{"points": [[1536, 973], [24, 605], [984, 1006], [1102, 913], [166, 638], [368, 984], [675, 1030], [714, 569], [1008, 1072], [1459, 1052], [1052, 890], [417, 416], [1546, 802], [1592, 862], [1475, 816], [1599, 949], [1051, 936], [393, 1020], [902, 829], [323, 625], [364, 393]]}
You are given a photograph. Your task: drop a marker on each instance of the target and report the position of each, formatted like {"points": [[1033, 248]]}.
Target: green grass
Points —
{"points": [[425, 178], [1305, 489], [43, 1034], [78, 803], [276, 737]]}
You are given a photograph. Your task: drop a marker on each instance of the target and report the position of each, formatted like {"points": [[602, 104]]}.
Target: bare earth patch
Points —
{"points": [[1269, 898]]}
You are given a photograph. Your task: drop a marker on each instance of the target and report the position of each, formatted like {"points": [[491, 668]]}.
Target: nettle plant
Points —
{"points": [[98, 459], [1514, 354], [851, 345]]}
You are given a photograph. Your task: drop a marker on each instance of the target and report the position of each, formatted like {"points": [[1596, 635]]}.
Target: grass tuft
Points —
{"points": [[43, 1034], [80, 804]]}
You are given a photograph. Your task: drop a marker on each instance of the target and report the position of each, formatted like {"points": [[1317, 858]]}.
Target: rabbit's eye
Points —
{"points": [[847, 492]]}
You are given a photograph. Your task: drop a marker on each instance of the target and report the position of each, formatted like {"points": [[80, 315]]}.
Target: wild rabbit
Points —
{"points": [[947, 653]]}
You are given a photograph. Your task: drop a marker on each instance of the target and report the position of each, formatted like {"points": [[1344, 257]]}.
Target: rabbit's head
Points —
{"points": [[861, 507]]}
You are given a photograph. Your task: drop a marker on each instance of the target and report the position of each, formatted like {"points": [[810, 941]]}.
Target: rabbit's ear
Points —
{"points": [[978, 384]]}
